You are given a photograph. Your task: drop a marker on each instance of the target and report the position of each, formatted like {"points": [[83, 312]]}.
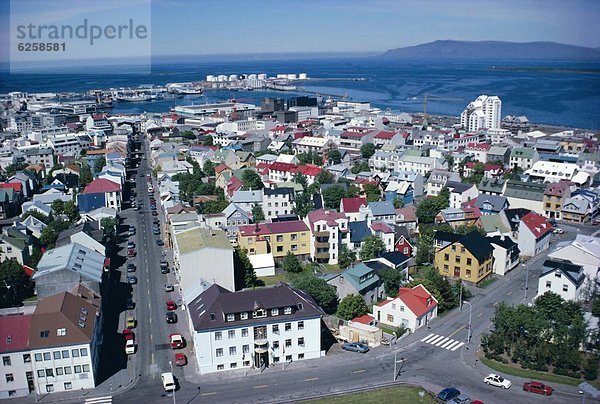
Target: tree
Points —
{"points": [[35, 214], [303, 205], [251, 180], [325, 177], [14, 283], [217, 206], [438, 286], [99, 164], [360, 167], [324, 295], [244, 268], [430, 207], [257, 213], [208, 141], [332, 196], [398, 203], [290, 263], [209, 168], [352, 306], [346, 257], [372, 192], [196, 167], [353, 191], [373, 247], [301, 179], [392, 279], [85, 174], [58, 207], [367, 150], [109, 228], [476, 174], [335, 157], [70, 209]]}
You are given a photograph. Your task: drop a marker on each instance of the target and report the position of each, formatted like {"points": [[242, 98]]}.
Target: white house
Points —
{"points": [[329, 231], [506, 254], [563, 278], [413, 308], [254, 328], [584, 251], [16, 356], [534, 234]]}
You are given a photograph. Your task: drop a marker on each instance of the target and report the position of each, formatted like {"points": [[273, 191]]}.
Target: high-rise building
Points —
{"points": [[483, 113]]}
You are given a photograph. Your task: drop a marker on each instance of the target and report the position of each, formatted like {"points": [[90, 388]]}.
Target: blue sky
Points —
{"points": [[204, 27]]}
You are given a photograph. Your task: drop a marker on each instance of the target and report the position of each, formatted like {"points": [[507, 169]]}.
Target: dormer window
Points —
{"points": [[274, 312], [300, 306], [258, 313], [288, 310], [230, 317], [212, 317], [61, 332], [244, 316]]}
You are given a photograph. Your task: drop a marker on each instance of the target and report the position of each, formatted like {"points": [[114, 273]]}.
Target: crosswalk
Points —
{"points": [[99, 400], [442, 342]]}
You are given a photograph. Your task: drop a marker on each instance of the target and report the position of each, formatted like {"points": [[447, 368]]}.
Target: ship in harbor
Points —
{"points": [[184, 88]]}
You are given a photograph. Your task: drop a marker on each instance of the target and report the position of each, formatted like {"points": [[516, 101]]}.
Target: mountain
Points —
{"points": [[449, 49]]}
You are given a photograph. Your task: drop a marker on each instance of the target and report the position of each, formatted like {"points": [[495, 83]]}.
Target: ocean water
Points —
{"points": [[556, 93]]}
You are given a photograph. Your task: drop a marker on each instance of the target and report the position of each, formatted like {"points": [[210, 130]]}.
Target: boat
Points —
{"points": [[135, 97], [184, 89]]}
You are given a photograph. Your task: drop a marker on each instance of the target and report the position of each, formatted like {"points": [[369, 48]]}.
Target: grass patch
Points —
{"points": [[332, 268], [530, 374], [31, 299], [275, 279], [487, 282], [389, 394]]}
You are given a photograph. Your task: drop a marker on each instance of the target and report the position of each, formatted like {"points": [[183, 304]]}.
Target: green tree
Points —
{"points": [[367, 150], [398, 203], [196, 167], [335, 157], [301, 179], [14, 284], [58, 207], [244, 268], [109, 228], [35, 214], [430, 207], [437, 285], [209, 168], [324, 295], [346, 257], [392, 280], [85, 174], [352, 306], [217, 206], [360, 167], [303, 205], [372, 192], [332, 196], [251, 180], [476, 174], [70, 209], [99, 164], [257, 213], [290, 263], [352, 192], [373, 247], [208, 141], [325, 177]]}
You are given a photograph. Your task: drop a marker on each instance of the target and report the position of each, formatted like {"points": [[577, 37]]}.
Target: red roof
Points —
{"points": [[555, 189], [14, 333], [273, 228], [101, 185], [366, 319], [357, 135], [278, 166], [381, 227], [537, 224], [220, 167], [384, 135], [479, 146], [17, 186], [352, 205], [233, 185], [329, 216], [310, 170], [418, 299]]}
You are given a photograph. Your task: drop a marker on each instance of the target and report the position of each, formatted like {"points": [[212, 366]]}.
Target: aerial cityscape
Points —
{"points": [[271, 202]]}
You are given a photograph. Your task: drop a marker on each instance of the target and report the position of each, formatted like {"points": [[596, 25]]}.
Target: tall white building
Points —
{"points": [[483, 113]]}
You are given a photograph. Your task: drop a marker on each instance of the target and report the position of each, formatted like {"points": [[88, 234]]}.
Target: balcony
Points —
{"points": [[323, 234], [322, 255], [322, 245]]}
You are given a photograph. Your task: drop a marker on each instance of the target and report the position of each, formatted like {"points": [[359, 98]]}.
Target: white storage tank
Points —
{"points": [[221, 77], [210, 77], [302, 76], [291, 77], [233, 77], [251, 77], [262, 76]]}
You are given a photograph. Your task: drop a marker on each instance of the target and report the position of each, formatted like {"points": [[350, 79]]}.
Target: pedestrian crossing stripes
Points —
{"points": [[99, 400], [442, 342]]}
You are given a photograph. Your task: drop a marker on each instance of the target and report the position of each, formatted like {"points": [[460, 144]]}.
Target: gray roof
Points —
{"points": [[358, 231], [382, 208], [525, 190], [573, 272], [232, 208], [458, 187], [496, 201], [73, 257], [247, 196]]}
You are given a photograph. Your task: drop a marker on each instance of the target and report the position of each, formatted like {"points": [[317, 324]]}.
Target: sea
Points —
{"points": [[547, 92]]}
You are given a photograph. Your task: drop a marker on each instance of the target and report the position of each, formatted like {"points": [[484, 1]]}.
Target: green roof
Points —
{"points": [[525, 190], [353, 274], [493, 223], [522, 152], [15, 242], [197, 238], [413, 152]]}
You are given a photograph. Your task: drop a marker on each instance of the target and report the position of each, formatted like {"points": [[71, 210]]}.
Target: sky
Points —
{"points": [[208, 27]]}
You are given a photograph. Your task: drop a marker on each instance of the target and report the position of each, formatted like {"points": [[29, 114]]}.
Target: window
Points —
{"points": [[41, 373], [244, 316], [279, 238], [67, 370], [244, 332], [457, 259], [49, 372], [279, 248], [288, 343], [401, 308], [294, 247], [219, 352], [56, 354], [230, 317], [445, 268], [300, 325], [6, 360], [59, 371], [468, 274], [83, 352], [300, 356], [75, 353], [49, 388], [453, 247], [288, 326], [231, 334], [294, 237], [218, 336], [565, 288], [275, 344], [557, 274], [548, 284], [246, 363], [393, 306], [61, 332], [12, 393], [220, 367], [44, 334], [10, 377], [259, 313], [86, 368], [276, 359], [301, 341], [276, 328], [288, 310], [462, 250], [46, 356], [26, 358], [68, 386], [233, 365], [390, 318], [77, 368], [288, 358], [65, 354], [446, 257], [245, 349], [274, 312], [232, 350], [469, 261]]}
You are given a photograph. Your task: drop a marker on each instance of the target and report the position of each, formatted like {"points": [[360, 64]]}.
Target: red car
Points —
{"points": [[538, 388], [131, 252], [128, 335], [176, 341], [180, 359], [171, 305]]}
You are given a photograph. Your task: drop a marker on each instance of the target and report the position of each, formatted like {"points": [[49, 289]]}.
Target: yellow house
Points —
{"points": [[468, 257], [276, 238]]}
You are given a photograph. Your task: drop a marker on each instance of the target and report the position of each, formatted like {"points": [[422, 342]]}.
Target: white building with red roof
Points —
{"points": [[16, 356], [534, 234], [413, 308], [354, 138], [285, 172], [329, 231], [384, 137], [478, 151], [352, 208], [111, 190]]}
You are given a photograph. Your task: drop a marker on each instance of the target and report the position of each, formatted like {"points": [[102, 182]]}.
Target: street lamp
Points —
{"points": [[174, 387], [526, 279], [469, 327]]}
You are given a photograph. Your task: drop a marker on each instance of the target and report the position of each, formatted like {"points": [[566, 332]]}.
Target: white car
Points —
{"points": [[130, 347], [498, 381]]}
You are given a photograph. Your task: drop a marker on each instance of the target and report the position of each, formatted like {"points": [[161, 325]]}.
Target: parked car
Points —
{"points": [[156, 231], [558, 231], [461, 399], [596, 222], [131, 267], [156, 221], [171, 317], [154, 213], [131, 253], [130, 304], [131, 279], [176, 341], [130, 245], [169, 287], [497, 381], [538, 388], [128, 334], [160, 243], [448, 394], [164, 270], [180, 359], [130, 347], [355, 347], [131, 322], [171, 305]]}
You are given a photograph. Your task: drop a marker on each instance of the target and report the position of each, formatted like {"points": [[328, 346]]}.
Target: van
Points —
{"points": [[462, 399], [168, 381]]}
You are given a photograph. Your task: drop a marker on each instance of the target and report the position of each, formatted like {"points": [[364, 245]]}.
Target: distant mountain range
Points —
{"points": [[448, 49]]}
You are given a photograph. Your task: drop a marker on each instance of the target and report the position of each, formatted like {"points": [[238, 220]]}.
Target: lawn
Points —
{"points": [[275, 279], [487, 282], [530, 374], [388, 394]]}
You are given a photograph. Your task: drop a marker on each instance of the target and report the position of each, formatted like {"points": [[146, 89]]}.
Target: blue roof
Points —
{"points": [[89, 202], [358, 231]]}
